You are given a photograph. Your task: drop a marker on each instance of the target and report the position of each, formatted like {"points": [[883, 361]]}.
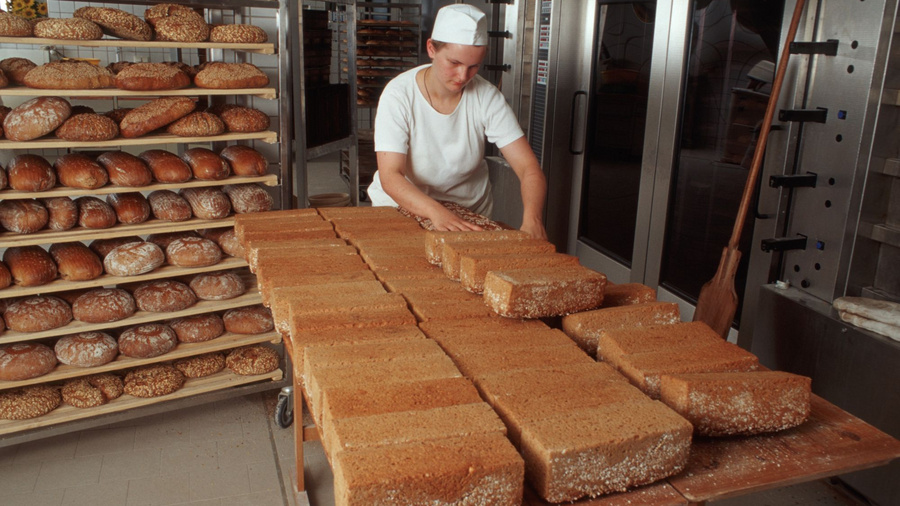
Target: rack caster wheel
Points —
{"points": [[284, 409]]}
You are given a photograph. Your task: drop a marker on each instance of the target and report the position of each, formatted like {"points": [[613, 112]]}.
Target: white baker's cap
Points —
{"points": [[460, 24]]}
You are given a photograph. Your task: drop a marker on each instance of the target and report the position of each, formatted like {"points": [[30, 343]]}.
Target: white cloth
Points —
{"points": [[445, 153], [460, 24]]}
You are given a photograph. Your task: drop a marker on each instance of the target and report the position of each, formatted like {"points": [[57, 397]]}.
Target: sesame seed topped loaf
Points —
{"points": [[434, 240], [604, 449], [473, 268], [625, 294], [616, 342], [541, 292], [331, 213], [463, 212], [477, 470], [738, 403], [452, 251], [585, 328]]}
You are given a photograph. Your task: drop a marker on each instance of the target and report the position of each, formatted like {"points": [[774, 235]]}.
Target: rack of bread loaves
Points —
{"points": [[123, 287]]}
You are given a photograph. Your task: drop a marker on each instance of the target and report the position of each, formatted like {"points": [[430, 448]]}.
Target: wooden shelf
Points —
{"points": [[23, 91], [63, 191], [265, 48], [89, 234], [182, 350], [64, 413], [146, 140], [250, 298], [166, 271]]}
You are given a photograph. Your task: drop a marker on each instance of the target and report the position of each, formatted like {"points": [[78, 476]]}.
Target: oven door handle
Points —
{"points": [[572, 149]]}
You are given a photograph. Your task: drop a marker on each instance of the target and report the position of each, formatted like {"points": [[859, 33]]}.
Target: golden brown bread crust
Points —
{"points": [[147, 341], [166, 167], [207, 203], [218, 285], [29, 265], [193, 252], [16, 69], [102, 305], [28, 402], [199, 328], [169, 206], [155, 114], [243, 119], [164, 296], [164, 239], [36, 118], [197, 124], [88, 128], [103, 247], [69, 75], [245, 161], [4, 110], [86, 349], [116, 22], [37, 313], [63, 212], [14, 26], [206, 164], [68, 29], [248, 198], [75, 261], [23, 216], [133, 259], [130, 208], [76, 170], [30, 173], [238, 34], [95, 213], [219, 75], [248, 320], [151, 76], [118, 115], [92, 391], [125, 169]]}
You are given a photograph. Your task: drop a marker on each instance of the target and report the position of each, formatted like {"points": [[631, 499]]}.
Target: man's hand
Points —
{"points": [[444, 220], [535, 228]]}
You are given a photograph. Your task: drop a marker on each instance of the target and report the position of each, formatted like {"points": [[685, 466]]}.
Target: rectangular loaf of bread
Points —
{"points": [[432, 296], [738, 403], [434, 241], [281, 297], [364, 243], [476, 470], [365, 212], [243, 220], [284, 229], [586, 327], [359, 353], [399, 263], [452, 251], [473, 268], [625, 294], [255, 245], [282, 256], [335, 337], [391, 275], [645, 369], [616, 342], [479, 362], [451, 310], [388, 429], [269, 276], [367, 400], [313, 279], [429, 285], [388, 315], [478, 326], [360, 229], [373, 255], [542, 292], [604, 449], [512, 341]]}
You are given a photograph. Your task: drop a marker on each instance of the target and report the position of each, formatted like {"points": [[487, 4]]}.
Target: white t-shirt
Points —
{"points": [[445, 152]]}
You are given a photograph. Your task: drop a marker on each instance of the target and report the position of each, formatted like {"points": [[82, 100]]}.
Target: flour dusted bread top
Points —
{"points": [[30, 173], [30, 265], [207, 203], [103, 305], [37, 313], [125, 169], [134, 258], [169, 206], [218, 285], [76, 170], [21, 361], [63, 212], [164, 295], [36, 118], [147, 341], [23, 216], [86, 349], [76, 262]]}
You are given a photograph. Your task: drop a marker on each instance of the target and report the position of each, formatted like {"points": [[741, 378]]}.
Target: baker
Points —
{"points": [[430, 130]]}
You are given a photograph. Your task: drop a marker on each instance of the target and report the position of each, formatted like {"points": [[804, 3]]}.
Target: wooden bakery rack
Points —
{"points": [[224, 384]]}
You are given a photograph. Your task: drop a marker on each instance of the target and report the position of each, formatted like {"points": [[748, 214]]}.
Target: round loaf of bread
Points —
{"points": [[193, 252], [36, 118], [68, 29], [14, 26], [28, 402], [201, 365], [94, 213], [75, 261], [169, 206], [130, 208], [252, 360], [244, 119], [30, 265], [227, 240], [155, 114], [167, 167], [69, 75], [220, 75], [79, 171], [245, 161], [62, 211], [218, 285], [102, 247], [248, 198], [164, 296], [198, 328], [133, 259], [89, 127], [238, 34], [164, 239], [30, 173], [21, 361], [86, 349], [92, 391], [37, 313], [164, 10], [184, 27], [248, 320], [117, 22], [153, 381], [147, 341], [5, 280], [103, 305], [16, 69], [125, 169], [151, 76], [197, 124], [206, 165], [23, 216], [207, 203]]}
